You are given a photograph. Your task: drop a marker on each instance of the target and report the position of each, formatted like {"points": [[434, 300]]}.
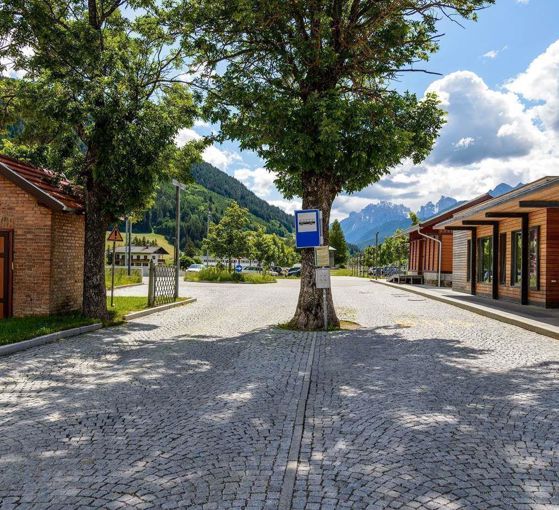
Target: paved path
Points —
{"points": [[426, 406]]}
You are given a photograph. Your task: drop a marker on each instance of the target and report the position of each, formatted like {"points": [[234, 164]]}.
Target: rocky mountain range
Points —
{"points": [[386, 217]]}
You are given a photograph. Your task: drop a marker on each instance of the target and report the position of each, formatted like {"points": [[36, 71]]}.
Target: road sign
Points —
{"points": [[322, 256], [238, 268], [322, 277], [115, 236], [308, 228]]}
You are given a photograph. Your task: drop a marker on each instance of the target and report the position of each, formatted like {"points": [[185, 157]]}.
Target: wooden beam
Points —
{"points": [[479, 222], [469, 229], [473, 262], [524, 284], [538, 203], [505, 214], [494, 271]]}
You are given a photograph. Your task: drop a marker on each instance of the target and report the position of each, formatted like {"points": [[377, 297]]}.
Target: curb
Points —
{"points": [[127, 286], [506, 317], [46, 339], [162, 308]]}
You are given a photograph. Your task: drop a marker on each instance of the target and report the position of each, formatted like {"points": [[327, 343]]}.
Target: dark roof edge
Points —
{"points": [[42, 196]]}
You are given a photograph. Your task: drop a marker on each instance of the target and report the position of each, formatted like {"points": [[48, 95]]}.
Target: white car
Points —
{"points": [[195, 268]]}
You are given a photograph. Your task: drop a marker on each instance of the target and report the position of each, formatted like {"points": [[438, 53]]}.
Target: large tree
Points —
{"points": [[95, 96], [309, 86]]}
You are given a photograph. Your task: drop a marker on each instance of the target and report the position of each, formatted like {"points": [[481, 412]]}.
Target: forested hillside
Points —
{"points": [[212, 190]]}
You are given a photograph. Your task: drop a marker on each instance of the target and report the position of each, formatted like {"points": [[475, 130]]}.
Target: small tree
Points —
{"points": [[262, 248], [229, 238], [337, 241], [309, 85]]}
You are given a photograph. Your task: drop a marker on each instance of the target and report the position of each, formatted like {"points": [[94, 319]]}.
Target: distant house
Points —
{"points": [[141, 255], [42, 233], [507, 248], [427, 245]]}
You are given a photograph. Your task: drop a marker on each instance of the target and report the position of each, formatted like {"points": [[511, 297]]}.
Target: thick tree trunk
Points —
{"points": [[96, 224], [319, 194]]}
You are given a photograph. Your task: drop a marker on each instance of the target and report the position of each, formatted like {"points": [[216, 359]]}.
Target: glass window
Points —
{"points": [[503, 259], [534, 258], [485, 260], [516, 260]]}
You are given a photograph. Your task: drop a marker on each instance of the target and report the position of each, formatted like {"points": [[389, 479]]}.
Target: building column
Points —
{"points": [[525, 281], [473, 262], [495, 275]]}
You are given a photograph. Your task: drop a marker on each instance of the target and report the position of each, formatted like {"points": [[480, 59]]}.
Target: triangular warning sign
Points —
{"points": [[115, 236]]}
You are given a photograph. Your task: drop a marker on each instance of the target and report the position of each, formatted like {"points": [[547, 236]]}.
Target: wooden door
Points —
{"points": [[5, 274]]}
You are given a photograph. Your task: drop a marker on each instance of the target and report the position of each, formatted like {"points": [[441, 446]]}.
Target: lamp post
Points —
{"points": [[179, 186]]}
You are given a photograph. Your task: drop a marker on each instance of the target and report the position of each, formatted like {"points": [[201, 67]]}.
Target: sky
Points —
{"points": [[499, 84]]}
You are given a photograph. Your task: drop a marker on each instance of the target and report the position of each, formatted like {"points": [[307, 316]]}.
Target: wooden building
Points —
{"points": [[508, 247], [428, 245], [41, 242]]}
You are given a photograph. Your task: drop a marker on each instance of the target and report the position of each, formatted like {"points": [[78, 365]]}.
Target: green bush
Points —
{"points": [[212, 274], [121, 276]]}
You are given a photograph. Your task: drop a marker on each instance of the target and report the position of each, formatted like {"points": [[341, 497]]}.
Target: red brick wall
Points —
{"points": [[34, 290], [68, 238]]}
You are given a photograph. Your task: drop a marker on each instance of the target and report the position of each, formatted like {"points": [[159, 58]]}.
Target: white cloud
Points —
{"points": [[540, 83], [220, 158], [259, 180], [493, 54], [481, 122], [217, 157], [289, 206]]}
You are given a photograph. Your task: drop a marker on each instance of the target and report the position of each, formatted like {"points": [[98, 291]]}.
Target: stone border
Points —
{"points": [[288, 485], [127, 286], [532, 325], [156, 309], [46, 339]]}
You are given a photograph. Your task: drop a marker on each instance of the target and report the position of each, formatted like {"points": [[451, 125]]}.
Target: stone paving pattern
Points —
{"points": [[427, 406]]}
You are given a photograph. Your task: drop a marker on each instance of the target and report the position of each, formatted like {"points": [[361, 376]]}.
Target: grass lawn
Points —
{"points": [[122, 278], [341, 272], [16, 330]]}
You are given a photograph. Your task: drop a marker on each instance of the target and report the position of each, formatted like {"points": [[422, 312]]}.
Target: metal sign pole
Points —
{"points": [[113, 276], [177, 243], [325, 306]]}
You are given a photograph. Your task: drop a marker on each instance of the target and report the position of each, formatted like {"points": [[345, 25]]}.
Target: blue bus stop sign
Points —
{"points": [[308, 228], [238, 268]]}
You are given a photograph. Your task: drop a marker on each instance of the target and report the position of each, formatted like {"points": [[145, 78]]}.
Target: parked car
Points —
{"points": [[195, 268], [295, 270], [278, 270], [252, 269]]}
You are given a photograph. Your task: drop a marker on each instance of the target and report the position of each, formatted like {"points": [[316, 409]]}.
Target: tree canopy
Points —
{"points": [[337, 241]]}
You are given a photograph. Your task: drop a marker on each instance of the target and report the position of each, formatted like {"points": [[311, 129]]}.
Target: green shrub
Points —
{"points": [[121, 276], [212, 274]]}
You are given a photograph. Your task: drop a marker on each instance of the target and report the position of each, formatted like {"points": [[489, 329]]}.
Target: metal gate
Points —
{"points": [[162, 285], [5, 274]]}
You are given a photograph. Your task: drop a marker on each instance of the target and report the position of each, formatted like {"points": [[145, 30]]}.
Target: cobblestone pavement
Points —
{"points": [[425, 406]]}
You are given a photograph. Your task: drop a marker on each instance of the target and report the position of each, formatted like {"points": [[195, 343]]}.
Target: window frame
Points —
{"points": [[515, 246], [503, 258], [535, 229], [481, 270]]}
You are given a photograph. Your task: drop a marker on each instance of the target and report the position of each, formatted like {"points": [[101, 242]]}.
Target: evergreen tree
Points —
{"points": [[337, 241]]}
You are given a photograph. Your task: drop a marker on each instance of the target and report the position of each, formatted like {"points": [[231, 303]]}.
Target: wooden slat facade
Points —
{"points": [[547, 221]]}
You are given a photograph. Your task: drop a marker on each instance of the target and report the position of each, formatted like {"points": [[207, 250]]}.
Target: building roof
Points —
{"points": [[545, 188], [143, 250], [433, 221], [50, 189]]}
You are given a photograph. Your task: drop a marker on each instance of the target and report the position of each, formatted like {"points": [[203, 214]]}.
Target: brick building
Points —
{"points": [[41, 242]]}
